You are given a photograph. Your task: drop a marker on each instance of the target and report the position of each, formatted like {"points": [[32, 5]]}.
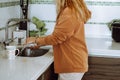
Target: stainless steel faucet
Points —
{"points": [[17, 20]]}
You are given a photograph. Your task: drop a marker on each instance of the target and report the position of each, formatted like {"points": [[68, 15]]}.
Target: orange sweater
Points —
{"points": [[68, 40]]}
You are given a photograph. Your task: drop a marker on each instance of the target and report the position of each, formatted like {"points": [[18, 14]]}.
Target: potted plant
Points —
{"points": [[40, 26], [114, 26]]}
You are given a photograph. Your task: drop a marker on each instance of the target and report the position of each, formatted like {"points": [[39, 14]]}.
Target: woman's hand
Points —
{"points": [[31, 40]]}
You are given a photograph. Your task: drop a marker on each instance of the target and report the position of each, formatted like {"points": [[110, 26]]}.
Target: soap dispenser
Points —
{"points": [[20, 35]]}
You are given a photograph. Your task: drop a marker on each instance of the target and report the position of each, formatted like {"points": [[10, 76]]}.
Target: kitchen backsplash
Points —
{"points": [[103, 11], [8, 9]]}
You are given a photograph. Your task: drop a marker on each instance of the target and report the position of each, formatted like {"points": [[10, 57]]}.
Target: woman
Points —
{"points": [[68, 39]]}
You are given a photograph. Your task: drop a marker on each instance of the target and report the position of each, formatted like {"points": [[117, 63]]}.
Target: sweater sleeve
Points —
{"points": [[62, 31]]}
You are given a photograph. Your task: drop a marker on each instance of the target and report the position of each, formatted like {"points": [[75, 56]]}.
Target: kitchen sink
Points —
{"points": [[33, 53]]}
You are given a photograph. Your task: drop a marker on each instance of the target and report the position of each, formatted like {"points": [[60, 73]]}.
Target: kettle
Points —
{"points": [[115, 27]]}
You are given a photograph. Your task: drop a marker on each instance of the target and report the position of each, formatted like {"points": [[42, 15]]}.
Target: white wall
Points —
{"points": [[96, 26], [8, 0], [5, 14], [46, 12], [105, 0]]}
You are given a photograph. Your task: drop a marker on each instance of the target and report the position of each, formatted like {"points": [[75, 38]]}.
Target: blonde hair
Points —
{"points": [[78, 6]]}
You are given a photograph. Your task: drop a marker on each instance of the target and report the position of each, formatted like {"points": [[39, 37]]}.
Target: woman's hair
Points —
{"points": [[78, 6]]}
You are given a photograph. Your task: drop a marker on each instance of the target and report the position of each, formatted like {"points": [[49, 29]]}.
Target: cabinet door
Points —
{"points": [[49, 74], [101, 68]]}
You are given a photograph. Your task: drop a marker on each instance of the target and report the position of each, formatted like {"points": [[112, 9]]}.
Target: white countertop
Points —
{"points": [[103, 47], [30, 68], [24, 68]]}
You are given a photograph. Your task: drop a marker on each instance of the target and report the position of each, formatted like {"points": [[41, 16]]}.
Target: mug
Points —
{"points": [[12, 52]]}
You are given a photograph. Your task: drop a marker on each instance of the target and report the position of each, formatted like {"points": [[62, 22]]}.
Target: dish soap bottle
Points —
{"points": [[19, 36]]}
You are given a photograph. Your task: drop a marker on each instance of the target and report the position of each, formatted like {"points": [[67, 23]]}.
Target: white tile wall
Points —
{"points": [[5, 14], [100, 14], [96, 30], [47, 12], [105, 0], [50, 27], [104, 13], [8, 0], [43, 11]]}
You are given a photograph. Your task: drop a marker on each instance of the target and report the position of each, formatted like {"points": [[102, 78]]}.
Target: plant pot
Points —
{"points": [[116, 31]]}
